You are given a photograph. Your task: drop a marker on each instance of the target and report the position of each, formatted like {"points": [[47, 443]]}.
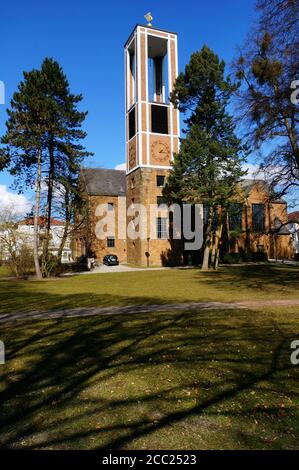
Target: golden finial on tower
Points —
{"points": [[149, 18]]}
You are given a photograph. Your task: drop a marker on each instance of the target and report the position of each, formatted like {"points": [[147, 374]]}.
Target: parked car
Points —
{"points": [[111, 260]]}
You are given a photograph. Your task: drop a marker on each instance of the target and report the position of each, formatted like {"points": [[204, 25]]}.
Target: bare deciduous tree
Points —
{"points": [[14, 244], [267, 68]]}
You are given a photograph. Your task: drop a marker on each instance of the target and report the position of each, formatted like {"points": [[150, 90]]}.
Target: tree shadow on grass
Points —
{"points": [[21, 299], [229, 283], [138, 380], [255, 278]]}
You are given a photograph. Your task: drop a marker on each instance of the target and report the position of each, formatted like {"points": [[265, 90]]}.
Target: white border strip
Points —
{"points": [[139, 135]]}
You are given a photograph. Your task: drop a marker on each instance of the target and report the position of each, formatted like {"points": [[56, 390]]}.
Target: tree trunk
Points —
{"points": [[63, 240], [207, 246], [213, 250], [14, 264], [67, 224], [49, 208], [36, 217], [217, 238], [217, 243], [293, 139], [13, 254], [227, 243], [248, 241]]}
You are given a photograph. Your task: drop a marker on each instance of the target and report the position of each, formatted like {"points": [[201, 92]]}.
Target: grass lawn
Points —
{"points": [[5, 271], [228, 284], [176, 380]]}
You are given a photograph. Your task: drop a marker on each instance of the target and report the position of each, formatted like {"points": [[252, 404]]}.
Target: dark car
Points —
{"points": [[111, 260]]}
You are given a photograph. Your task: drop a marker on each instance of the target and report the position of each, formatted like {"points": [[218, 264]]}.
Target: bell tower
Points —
{"points": [[152, 128], [152, 123]]}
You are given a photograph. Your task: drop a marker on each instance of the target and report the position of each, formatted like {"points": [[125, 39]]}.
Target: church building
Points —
{"points": [[152, 138]]}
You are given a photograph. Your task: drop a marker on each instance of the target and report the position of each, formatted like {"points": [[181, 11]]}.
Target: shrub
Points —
{"points": [[48, 264], [260, 256], [247, 256], [231, 258], [254, 256], [190, 261], [22, 262], [62, 268]]}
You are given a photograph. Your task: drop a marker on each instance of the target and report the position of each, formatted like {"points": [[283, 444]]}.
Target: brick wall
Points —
{"points": [[276, 246], [142, 188], [87, 239]]}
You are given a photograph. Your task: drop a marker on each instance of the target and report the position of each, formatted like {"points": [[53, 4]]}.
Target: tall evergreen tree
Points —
{"points": [[65, 153], [208, 167], [24, 143], [42, 142]]}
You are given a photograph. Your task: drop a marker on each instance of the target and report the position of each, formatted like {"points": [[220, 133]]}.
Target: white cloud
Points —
{"points": [[254, 171], [17, 202], [121, 166]]}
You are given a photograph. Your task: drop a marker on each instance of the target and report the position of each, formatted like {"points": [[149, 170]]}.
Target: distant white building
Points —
{"points": [[293, 226], [25, 232]]}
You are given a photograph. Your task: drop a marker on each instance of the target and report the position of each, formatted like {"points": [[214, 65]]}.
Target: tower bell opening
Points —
{"points": [[158, 83], [158, 70]]}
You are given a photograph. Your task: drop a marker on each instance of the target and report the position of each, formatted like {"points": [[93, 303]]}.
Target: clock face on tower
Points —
{"points": [[160, 152]]}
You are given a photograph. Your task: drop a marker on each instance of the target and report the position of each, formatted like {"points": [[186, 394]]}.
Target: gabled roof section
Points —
{"points": [[104, 182], [293, 216], [248, 184], [42, 221]]}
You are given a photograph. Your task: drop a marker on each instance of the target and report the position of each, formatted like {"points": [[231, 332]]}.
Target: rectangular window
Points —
{"points": [[258, 217], [235, 217], [132, 123], [110, 206], [161, 200], [132, 75], [162, 228], [160, 180], [159, 119], [110, 242]]}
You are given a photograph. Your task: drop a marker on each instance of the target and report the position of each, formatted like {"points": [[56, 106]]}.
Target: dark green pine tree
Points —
{"points": [[65, 153], [24, 143], [208, 167], [42, 142]]}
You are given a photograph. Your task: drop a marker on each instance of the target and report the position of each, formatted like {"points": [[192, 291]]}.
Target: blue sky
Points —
{"points": [[87, 37]]}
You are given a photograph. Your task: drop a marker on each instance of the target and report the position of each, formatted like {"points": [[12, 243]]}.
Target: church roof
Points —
{"points": [[247, 184], [293, 216], [104, 182], [42, 221]]}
